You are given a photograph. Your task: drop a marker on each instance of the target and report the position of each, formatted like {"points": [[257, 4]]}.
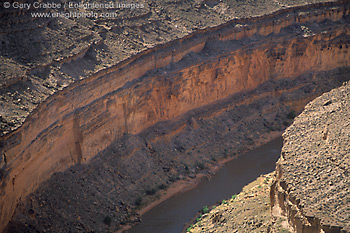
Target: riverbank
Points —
{"points": [[248, 211], [308, 192], [187, 184]]}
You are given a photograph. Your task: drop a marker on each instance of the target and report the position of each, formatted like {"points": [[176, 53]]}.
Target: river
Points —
{"points": [[170, 215]]}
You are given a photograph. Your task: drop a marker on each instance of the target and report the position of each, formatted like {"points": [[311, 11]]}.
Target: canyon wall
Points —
{"points": [[164, 83], [311, 187]]}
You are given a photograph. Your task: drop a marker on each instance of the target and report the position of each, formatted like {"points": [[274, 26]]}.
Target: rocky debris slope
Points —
{"points": [[249, 211], [134, 169], [312, 187]]}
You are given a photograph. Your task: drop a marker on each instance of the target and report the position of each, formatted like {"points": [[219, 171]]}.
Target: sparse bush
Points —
{"points": [[138, 201], [189, 228], [224, 202], [107, 220], [205, 210], [291, 115], [250, 141], [173, 178], [225, 153], [162, 186], [283, 231], [200, 165], [151, 191], [234, 196]]}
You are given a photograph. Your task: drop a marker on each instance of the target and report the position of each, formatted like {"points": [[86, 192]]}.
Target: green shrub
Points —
{"points": [[205, 210], [233, 196], [189, 228], [283, 231]]}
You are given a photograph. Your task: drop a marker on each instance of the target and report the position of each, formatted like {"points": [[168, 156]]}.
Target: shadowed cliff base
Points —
{"points": [[133, 170], [162, 112]]}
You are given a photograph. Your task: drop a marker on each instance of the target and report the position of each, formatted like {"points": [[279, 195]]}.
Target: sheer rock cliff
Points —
{"points": [[90, 136]]}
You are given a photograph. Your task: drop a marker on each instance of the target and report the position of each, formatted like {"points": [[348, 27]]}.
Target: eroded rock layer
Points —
{"points": [[42, 55], [313, 181], [152, 117]]}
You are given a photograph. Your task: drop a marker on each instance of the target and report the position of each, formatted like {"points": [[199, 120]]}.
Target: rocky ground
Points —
{"points": [[40, 56], [313, 180], [249, 211]]}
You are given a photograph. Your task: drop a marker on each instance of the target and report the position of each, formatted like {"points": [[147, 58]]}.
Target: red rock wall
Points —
{"points": [[75, 124]]}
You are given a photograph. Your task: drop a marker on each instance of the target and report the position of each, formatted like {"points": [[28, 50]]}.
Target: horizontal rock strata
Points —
{"points": [[42, 55], [312, 176]]}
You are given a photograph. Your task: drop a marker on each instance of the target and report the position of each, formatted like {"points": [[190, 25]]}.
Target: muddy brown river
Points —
{"points": [[171, 215]]}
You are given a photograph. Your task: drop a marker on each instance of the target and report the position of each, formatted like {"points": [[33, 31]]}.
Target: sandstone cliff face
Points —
{"points": [[42, 55], [312, 181], [197, 72]]}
